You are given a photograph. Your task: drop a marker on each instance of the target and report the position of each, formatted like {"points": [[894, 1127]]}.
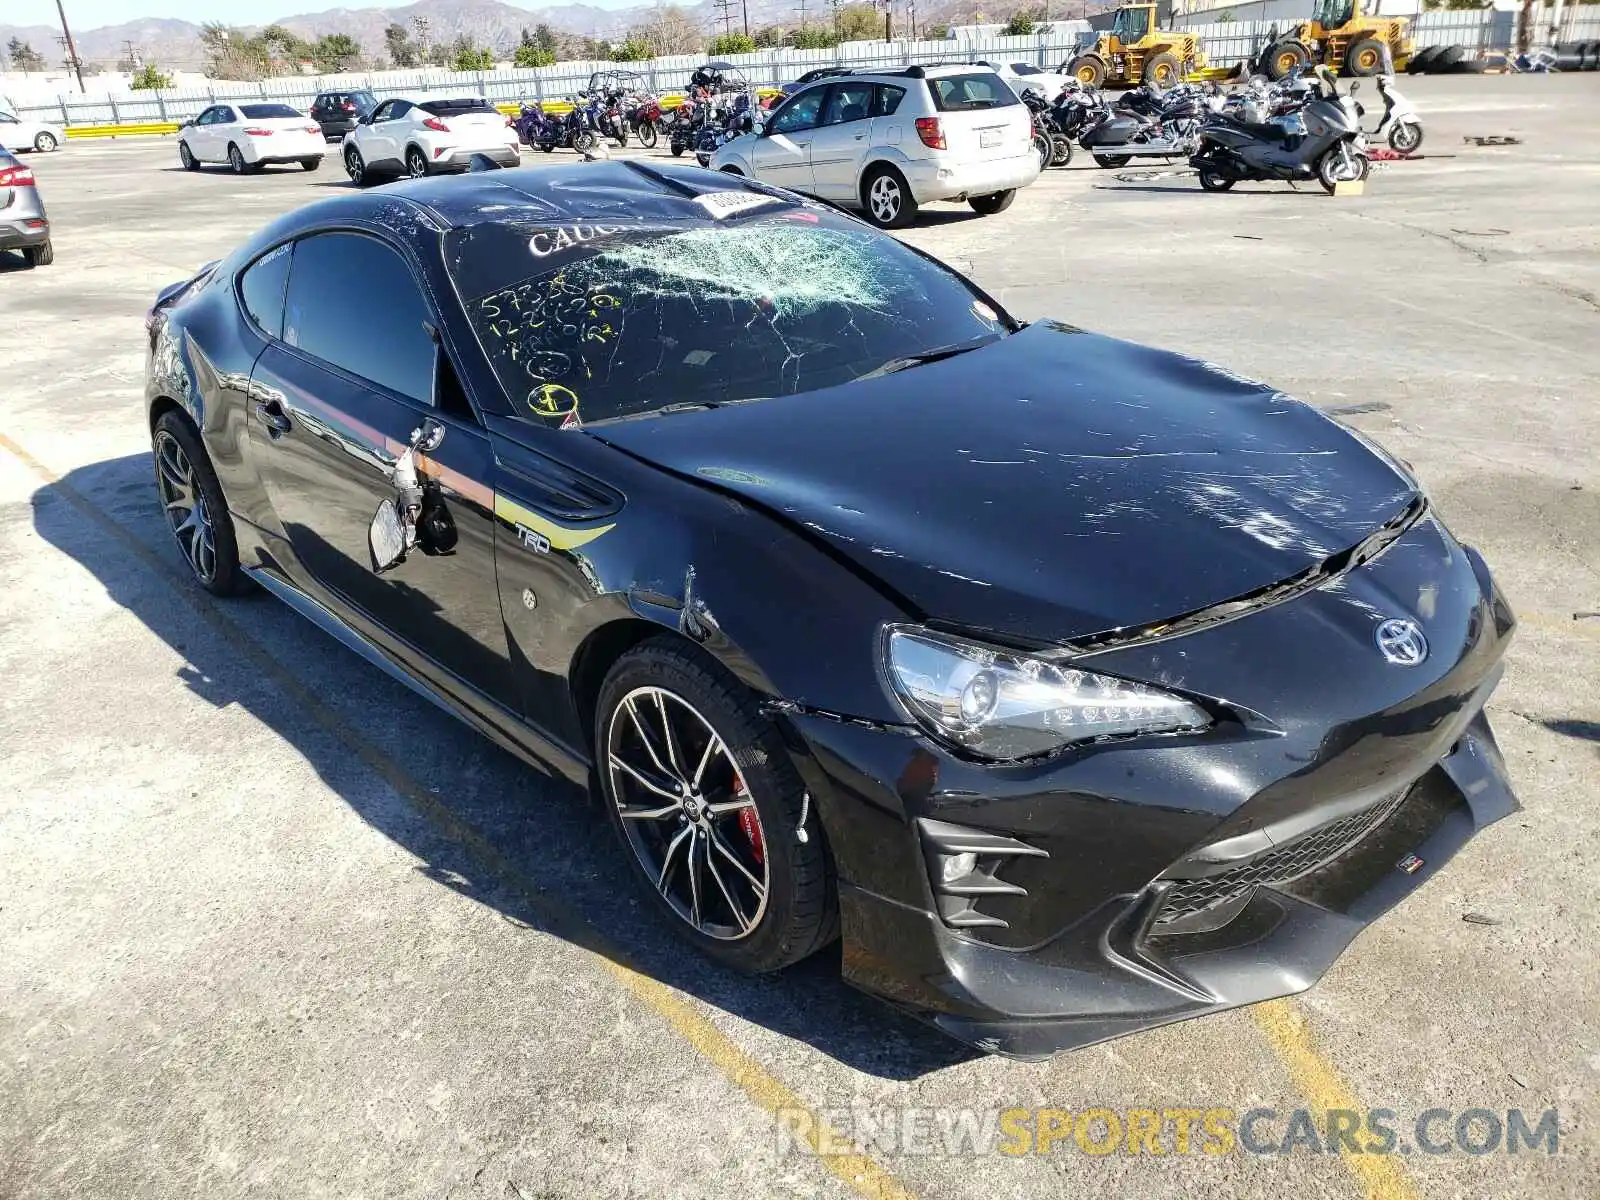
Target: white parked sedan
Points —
{"points": [[885, 142], [249, 136], [422, 137], [18, 134]]}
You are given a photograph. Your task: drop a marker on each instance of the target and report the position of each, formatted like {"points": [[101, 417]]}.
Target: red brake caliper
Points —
{"points": [[749, 822]]}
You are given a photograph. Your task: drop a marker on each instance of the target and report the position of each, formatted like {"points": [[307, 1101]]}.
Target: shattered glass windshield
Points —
{"points": [[586, 322]]}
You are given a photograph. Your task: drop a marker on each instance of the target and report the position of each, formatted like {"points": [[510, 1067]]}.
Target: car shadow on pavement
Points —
{"points": [[482, 823]]}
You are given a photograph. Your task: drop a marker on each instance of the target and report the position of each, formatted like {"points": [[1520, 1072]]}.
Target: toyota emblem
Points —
{"points": [[1401, 642]]}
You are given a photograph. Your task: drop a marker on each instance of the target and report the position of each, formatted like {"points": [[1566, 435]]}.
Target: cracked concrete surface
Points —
{"points": [[271, 926]]}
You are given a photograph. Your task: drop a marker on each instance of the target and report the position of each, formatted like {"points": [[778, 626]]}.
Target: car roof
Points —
{"points": [[609, 192]]}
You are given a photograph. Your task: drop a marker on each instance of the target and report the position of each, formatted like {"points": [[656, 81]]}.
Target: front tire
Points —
{"points": [[196, 511], [1285, 57], [1334, 169], [1162, 71], [1089, 70], [1215, 181], [416, 163], [998, 202], [646, 133], [1042, 148], [1406, 137], [886, 199], [1060, 150], [1364, 57], [702, 794], [45, 143]]}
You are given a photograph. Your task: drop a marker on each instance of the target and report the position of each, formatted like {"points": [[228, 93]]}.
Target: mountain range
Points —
{"points": [[176, 44]]}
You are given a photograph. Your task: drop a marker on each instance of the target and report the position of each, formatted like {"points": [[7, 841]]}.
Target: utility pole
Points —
{"points": [[745, 4], [134, 59], [72, 50], [888, 21], [420, 24]]}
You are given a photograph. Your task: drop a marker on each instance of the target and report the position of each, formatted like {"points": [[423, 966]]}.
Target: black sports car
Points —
{"points": [[1079, 687]]}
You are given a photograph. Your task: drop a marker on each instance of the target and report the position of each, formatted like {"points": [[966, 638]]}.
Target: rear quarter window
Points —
{"points": [[971, 93]]}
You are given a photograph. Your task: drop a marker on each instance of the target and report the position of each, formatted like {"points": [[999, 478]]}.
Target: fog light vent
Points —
{"points": [[964, 867]]}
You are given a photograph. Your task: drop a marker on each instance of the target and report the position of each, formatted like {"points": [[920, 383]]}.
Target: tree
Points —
{"points": [[859, 23], [635, 49], [671, 31], [526, 55], [769, 36], [1020, 25], [464, 56], [402, 50], [335, 52], [732, 43], [229, 54], [815, 37], [24, 57], [544, 38], [150, 78]]}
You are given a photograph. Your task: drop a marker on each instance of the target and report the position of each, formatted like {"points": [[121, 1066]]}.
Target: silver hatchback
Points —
{"points": [[23, 224]]}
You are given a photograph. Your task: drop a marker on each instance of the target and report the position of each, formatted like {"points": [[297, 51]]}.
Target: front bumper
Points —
{"points": [[935, 179], [1135, 884]]}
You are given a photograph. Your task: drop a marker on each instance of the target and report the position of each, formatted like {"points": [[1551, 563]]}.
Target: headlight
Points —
{"points": [[1001, 705]]}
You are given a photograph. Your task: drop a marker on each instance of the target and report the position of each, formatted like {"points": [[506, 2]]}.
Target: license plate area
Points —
{"points": [[988, 139]]}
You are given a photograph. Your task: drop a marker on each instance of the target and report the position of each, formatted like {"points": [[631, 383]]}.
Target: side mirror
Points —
{"points": [[187, 123], [386, 538]]}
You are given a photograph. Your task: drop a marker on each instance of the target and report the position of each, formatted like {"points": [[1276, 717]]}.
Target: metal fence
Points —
{"points": [[1226, 44]]}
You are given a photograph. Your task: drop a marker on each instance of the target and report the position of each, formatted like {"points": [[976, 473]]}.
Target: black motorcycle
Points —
{"points": [[1052, 143], [1323, 141], [1146, 124]]}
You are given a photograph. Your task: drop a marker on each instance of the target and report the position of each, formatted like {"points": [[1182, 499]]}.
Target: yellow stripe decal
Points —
{"points": [[559, 536]]}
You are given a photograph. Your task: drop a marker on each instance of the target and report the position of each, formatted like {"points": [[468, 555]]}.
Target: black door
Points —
{"points": [[336, 399]]}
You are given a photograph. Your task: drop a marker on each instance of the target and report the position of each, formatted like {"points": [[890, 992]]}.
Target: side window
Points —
{"points": [[800, 113], [888, 99], [204, 118], [261, 289], [381, 113], [400, 108], [226, 115], [848, 102], [353, 302]]}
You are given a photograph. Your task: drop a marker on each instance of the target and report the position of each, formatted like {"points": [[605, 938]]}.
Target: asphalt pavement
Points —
{"points": [[272, 926]]}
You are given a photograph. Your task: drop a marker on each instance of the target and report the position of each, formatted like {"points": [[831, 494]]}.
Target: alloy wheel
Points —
{"points": [[236, 160], [884, 196], [45, 143], [352, 164], [688, 815], [416, 165], [185, 507]]}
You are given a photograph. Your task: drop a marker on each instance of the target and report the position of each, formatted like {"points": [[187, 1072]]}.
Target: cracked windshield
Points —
{"points": [[588, 323]]}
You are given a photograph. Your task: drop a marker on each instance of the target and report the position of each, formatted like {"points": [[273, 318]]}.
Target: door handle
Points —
{"points": [[274, 418]]}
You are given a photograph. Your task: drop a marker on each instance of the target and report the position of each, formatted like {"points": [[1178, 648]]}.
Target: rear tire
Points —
{"points": [[1215, 181], [997, 202], [236, 160], [677, 150], [1364, 57], [311, 164], [416, 163], [754, 839], [1042, 148], [41, 255], [886, 198], [355, 166], [1089, 70], [195, 508], [1112, 161]]}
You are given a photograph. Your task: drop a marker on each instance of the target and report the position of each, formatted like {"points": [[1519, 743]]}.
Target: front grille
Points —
{"points": [[1187, 897]]}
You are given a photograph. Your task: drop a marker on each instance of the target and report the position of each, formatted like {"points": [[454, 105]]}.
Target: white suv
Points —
{"points": [[420, 137], [885, 142]]}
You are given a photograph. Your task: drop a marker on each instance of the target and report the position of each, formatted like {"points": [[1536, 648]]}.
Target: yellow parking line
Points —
{"points": [[861, 1173], [1380, 1175]]}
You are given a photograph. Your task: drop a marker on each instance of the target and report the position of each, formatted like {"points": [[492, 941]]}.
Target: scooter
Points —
{"points": [[1332, 150], [1401, 125]]}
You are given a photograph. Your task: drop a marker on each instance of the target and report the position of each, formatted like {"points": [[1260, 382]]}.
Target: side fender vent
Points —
{"points": [[964, 868]]}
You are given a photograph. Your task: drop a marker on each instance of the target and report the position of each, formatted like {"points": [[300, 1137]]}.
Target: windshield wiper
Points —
{"points": [[937, 354]]}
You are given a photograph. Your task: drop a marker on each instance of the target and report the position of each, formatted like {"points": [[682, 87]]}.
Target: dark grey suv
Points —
{"points": [[23, 224], [338, 112]]}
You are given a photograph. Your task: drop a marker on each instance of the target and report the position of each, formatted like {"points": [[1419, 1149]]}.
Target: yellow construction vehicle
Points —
{"points": [[1341, 37], [1135, 51]]}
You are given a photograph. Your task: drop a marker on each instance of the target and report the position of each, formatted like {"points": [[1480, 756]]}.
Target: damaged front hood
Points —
{"points": [[1054, 485]]}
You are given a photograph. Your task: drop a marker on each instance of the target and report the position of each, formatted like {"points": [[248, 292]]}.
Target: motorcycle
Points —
{"points": [[647, 120], [687, 118], [1332, 150], [609, 119], [1050, 142], [1401, 126], [1148, 125], [535, 127]]}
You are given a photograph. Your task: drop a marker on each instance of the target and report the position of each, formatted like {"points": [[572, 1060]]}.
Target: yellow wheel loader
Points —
{"points": [[1341, 37], [1134, 51]]}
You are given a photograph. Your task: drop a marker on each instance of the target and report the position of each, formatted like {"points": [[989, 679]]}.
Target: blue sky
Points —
{"points": [[90, 14]]}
